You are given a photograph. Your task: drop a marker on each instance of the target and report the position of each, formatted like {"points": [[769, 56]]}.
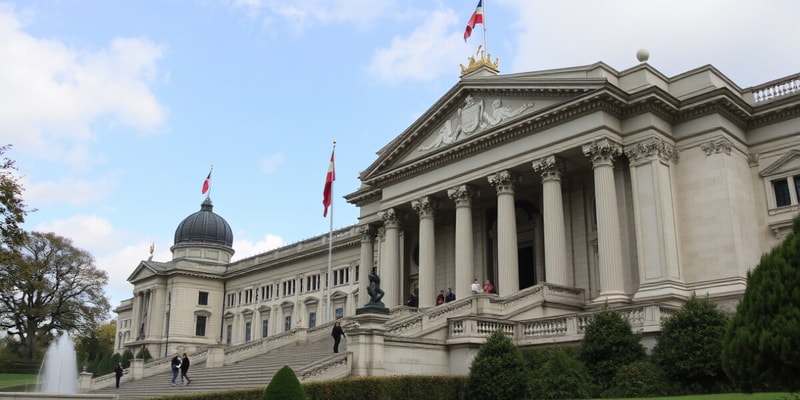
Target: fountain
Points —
{"points": [[59, 371]]}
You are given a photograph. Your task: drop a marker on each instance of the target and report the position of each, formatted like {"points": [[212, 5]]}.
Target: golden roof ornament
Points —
{"points": [[480, 60]]}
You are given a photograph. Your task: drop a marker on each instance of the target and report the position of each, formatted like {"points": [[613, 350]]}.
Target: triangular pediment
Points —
{"points": [[146, 269], [478, 107], [788, 163]]}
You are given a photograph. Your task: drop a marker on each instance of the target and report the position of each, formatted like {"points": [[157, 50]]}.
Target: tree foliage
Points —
{"points": [[499, 371], [284, 386], [689, 349], [557, 375], [761, 346], [95, 347], [12, 208], [608, 344], [639, 379], [51, 286]]}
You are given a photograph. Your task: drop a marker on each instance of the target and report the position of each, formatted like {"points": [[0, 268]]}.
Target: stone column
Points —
{"points": [[602, 154], [654, 212], [426, 207], [366, 263], [507, 258], [555, 247], [463, 195], [390, 268]]}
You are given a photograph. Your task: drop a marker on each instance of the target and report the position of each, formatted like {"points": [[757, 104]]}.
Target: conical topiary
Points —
{"points": [[284, 386]]}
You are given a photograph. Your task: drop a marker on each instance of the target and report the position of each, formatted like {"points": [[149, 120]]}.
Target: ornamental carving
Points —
{"points": [[462, 195], [504, 182], [717, 146], [752, 159], [390, 218], [425, 207], [653, 147], [367, 233], [551, 168], [602, 151]]}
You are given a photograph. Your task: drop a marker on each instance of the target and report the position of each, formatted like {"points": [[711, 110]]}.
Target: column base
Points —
{"points": [[611, 298]]}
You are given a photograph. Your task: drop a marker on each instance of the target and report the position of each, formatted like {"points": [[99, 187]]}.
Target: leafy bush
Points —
{"points": [[640, 379], [127, 356], [404, 387], [689, 348], [557, 375], [284, 386], [608, 344], [144, 354], [498, 372], [761, 345]]}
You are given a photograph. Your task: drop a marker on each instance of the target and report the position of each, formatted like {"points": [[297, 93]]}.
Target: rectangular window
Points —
{"points": [[247, 327], [229, 334], [265, 328], [339, 313], [202, 298], [287, 323], [312, 319], [248, 296], [200, 326], [782, 196]]}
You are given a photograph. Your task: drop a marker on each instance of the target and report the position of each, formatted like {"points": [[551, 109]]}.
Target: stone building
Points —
{"points": [[568, 189]]}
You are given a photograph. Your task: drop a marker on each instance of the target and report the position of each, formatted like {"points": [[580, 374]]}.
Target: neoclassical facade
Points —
{"points": [[569, 189]]}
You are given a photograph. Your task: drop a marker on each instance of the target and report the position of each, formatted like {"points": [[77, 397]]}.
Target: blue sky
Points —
{"points": [[117, 109]]}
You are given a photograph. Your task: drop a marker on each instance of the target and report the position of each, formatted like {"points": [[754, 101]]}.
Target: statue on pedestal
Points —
{"points": [[375, 295]]}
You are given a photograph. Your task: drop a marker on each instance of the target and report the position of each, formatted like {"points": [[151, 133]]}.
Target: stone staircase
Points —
{"points": [[254, 372]]}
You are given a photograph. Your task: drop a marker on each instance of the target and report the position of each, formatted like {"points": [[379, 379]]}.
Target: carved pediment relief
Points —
{"points": [[475, 115], [788, 163]]}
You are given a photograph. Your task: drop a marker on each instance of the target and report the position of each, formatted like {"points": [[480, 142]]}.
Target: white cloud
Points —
{"points": [[303, 14], [67, 190], [52, 93], [429, 52], [245, 248], [271, 162]]}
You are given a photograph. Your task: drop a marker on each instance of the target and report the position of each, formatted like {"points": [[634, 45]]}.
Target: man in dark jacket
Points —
{"points": [[338, 334], [184, 368], [176, 367], [118, 371]]}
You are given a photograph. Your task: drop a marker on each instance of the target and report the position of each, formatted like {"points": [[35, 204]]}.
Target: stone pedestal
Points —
{"points": [[365, 341], [84, 381], [216, 356], [137, 369]]}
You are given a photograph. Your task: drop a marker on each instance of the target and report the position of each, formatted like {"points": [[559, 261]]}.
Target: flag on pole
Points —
{"points": [[477, 18], [207, 182], [328, 191]]}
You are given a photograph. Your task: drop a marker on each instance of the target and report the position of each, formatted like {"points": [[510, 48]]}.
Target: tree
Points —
{"points": [[284, 386], [608, 344], [499, 371], [689, 349], [52, 286], [761, 346], [12, 211], [95, 344], [557, 375]]}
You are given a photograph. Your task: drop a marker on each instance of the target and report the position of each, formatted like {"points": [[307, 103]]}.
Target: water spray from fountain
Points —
{"points": [[59, 371]]}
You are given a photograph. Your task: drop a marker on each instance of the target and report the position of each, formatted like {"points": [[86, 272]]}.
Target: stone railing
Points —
{"points": [[430, 318], [335, 367], [774, 90], [139, 370], [646, 318]]}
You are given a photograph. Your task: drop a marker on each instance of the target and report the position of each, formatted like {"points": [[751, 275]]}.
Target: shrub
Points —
{"points": [[284, 386], [557, 375], [126, 358], [406, 387], [761, 345], [689, 348], [608, 344], [639, 379], [144, 354], [498, 372]]}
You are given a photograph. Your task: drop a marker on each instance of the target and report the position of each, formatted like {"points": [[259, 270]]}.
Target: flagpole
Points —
{"points": [[485, 42], [208, 195], [330, 242]]}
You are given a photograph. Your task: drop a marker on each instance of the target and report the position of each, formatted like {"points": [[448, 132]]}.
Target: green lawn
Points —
{"points": [[16, 379], [732, 396]]}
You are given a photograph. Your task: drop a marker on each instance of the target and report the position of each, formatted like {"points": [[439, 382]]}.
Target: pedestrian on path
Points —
{"points": [[184, 369], [176, 367], [338, 334], [118, 371]]}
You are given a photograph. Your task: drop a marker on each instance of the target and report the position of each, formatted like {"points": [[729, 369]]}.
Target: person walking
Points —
{"points": [[185, 368], [176, 367], [338, 334], [118, 371], [450, 296]]}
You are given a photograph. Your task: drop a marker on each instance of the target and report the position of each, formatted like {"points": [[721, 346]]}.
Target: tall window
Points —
{"points": [[786, 190], [247, 327], [229, 334], [287, 323], [202, 298], [312, 319], [265, 328], [200, 326]]}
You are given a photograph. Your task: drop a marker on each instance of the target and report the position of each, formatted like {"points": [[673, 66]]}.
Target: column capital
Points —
{"points": [[504, 182], [462, 195], [367, 233], [390, 218], [425, 206], [651, 148], [602, 152], [717, 146], [551, 168]]}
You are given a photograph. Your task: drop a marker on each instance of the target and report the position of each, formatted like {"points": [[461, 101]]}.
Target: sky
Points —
{"points": [[117, 110]]}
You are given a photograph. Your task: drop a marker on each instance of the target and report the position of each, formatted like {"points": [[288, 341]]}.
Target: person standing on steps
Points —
{"points": [[338, 334], [118, 371], [185, 368], [176, 367], [450, 296]]}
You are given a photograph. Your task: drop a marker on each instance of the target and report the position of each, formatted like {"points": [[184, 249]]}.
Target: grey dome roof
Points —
{"points": [[204, 227]]}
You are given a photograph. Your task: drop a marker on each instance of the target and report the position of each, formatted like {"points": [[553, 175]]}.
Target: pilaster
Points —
{"points": [[390, 268]]}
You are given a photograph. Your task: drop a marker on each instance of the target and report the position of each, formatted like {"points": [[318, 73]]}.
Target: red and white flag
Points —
{"points": [[207, 182], [327, 193], [477, 18]]}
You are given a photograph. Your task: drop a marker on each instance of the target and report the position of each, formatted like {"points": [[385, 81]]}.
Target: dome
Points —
{"points": [[204, 227]]}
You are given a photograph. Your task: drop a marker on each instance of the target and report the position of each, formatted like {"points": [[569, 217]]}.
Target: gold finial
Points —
{"points": [[480, 60], [152, 250]]}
